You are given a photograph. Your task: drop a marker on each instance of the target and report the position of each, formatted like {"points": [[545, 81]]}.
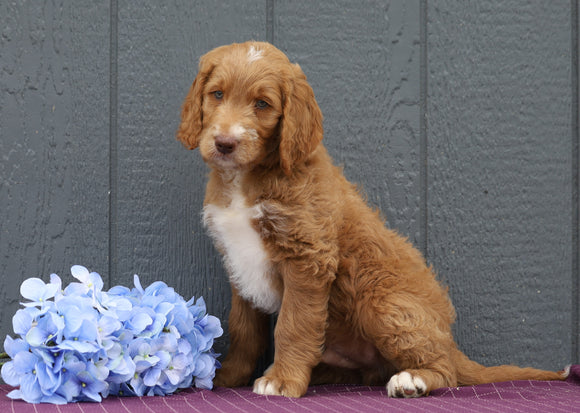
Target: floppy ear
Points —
{"points": [[301, 125], [191, 111]]}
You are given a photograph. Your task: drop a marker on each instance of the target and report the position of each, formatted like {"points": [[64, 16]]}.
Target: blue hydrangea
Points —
{"points": [[81, 343]]}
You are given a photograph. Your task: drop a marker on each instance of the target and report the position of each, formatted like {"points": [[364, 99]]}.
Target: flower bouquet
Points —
{"points": [[83, 343]]}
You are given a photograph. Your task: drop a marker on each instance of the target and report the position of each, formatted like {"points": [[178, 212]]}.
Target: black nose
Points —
{"points": [[225, 144]]}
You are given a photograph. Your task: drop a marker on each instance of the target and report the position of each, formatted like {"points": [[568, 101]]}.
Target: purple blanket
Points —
{"points": [[518, 396]]}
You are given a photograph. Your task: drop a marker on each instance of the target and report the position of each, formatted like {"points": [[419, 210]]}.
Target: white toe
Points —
{"points": [[265, 387], [405, 385]]}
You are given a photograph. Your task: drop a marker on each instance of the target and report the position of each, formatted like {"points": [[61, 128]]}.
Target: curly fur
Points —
{"points": [[356, 302]]}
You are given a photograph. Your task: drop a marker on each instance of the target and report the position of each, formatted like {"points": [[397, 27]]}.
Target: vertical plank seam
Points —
{"points": [[270, 27], [113, 138], [270, 21], [575, 122], [423, 153]]}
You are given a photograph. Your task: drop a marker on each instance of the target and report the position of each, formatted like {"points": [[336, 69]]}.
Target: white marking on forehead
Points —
{"points": [[254, 54]]}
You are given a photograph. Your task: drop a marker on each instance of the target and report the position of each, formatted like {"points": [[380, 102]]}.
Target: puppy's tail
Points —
{"points": [[470, 373]]}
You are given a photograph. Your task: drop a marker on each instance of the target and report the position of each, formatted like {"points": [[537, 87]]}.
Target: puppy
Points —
{"points": [[356, 302]]}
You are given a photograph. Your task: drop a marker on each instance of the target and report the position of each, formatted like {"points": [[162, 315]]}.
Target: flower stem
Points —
{"points": [[4, 358]]}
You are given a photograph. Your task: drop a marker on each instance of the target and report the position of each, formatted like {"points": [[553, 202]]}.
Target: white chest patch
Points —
{"points": [[244, 254]]}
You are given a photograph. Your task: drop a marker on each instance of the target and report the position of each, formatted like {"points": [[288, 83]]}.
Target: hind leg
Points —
{"points": [[415, 340]]}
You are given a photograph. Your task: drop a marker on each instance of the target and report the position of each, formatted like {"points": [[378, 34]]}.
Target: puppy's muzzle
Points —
{"points": [[225, 144]]}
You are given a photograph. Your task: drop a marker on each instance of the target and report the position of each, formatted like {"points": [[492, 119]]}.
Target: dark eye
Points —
{"points": [[262, 104], [218, 94]]}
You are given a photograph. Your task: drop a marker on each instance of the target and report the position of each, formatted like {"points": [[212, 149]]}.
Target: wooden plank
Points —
{"points": [[499, 139], [161, 184], [362, 60], [53, 142], [88, 134]]}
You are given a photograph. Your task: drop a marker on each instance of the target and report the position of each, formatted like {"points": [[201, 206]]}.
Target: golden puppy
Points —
{"points": [[356, 302]]}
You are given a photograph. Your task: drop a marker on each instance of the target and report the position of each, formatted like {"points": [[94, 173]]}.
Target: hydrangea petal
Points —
{"points": [[35, 289], [138, 386], [70, 389], [44, 354], [30, 389], [119, 290], [15, 346], [80, 346], [75, 290], [179, 362], [90, 386], [118, 307], [80, 273], [24, 362], [151, 377], [204, 382], [10, 375], [123, 367], [55, 279], [57, 282], [15, 395], [174, 376], [137, 283], [98, 370], [48, 381], [212, 328], [143, 363], [203, 365], [140, 322], [164, 359], [95, 281], [36, 336], [87, 343], [22, 321], [164, 308], [108, 325], [54, 399]]}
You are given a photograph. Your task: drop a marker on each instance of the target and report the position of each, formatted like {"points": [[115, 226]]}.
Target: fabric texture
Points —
{"points": [[517, 396]]}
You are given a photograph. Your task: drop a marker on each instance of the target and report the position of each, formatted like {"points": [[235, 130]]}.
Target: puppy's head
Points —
{"points": [[250, 106]]}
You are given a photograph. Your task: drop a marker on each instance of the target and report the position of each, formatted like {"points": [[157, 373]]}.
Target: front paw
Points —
{"points": [[405, 385], [270, 385]]}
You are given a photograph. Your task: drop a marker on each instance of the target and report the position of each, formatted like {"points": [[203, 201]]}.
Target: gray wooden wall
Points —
{"points": [[460, 119]]}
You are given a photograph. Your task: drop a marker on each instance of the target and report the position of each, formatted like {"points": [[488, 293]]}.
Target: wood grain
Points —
{"points": [[53, 142], [90, 99], [161, 185], [362, 59], [499, 142]]}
